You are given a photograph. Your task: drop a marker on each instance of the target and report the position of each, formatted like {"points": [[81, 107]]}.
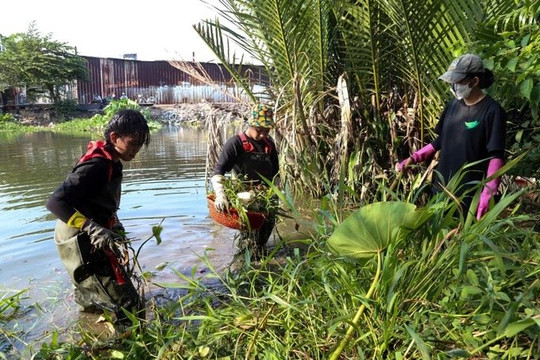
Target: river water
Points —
{"points": [[164, 183]]}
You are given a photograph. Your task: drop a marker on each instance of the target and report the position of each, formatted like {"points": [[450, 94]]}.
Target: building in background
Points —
{"points": [[163, 82]]}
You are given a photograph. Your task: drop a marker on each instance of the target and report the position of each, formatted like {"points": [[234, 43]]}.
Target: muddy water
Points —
{"points": [[164, 184]]}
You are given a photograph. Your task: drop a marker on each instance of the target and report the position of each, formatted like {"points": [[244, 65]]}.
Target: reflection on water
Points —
{"points": [[165, 182]]}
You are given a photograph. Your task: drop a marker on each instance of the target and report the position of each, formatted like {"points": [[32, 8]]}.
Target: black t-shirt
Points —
{"points": [[468, 134], [234, 157]]}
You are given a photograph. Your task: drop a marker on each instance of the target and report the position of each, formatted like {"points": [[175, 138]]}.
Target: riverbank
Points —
{"points": [[172, 114]]}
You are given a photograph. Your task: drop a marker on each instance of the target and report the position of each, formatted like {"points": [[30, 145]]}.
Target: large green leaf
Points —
{"points": [[370, 229]]}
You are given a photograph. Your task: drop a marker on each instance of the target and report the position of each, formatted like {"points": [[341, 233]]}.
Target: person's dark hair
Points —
{"points": [[486, 78], [129, 122]]}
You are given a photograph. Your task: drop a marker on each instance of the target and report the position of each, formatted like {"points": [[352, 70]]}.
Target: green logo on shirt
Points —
{"points": [[471, 124]]}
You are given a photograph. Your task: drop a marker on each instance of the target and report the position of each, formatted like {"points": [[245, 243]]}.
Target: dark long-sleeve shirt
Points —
{"points": [[93, 189], [234, 157]]}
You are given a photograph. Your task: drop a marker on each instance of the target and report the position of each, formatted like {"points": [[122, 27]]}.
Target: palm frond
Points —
{"points": [[212, 35]]}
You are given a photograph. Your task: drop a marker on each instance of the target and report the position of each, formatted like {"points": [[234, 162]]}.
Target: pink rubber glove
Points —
{"points": [[490, 188], [419, 156]]}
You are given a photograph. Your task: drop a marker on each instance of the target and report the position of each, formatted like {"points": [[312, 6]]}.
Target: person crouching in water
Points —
{"points": [[88, 234], [250, 154]]}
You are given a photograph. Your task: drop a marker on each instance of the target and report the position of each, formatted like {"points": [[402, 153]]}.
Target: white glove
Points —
{"points": [[221, 203], [246, 197]]}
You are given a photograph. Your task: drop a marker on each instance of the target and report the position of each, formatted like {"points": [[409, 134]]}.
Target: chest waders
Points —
{"points": [[96, 285], [100, 282], [255, 163]]}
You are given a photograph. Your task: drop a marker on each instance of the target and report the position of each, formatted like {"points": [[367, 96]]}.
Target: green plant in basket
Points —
{"points": [[247, 196]]}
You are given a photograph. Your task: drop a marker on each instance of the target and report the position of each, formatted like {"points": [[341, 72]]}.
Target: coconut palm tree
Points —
{"points": [[354, 83]]}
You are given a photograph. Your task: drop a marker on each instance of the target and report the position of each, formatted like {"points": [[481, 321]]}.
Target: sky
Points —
{"points": [[152, 29]]}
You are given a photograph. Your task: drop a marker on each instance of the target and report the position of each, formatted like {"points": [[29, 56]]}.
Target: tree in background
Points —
{"points": [[355, 82], [34, 61], [511, 44]]}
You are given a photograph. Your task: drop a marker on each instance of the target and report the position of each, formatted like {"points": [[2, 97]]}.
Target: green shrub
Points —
{"points": [[65, 108], [5, 118]]}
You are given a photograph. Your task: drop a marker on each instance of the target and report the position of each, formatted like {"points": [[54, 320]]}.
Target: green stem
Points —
{"points": [[478, 349], [360, 311]]}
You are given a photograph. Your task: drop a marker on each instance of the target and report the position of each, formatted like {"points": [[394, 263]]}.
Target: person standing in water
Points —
{"points": [[253, 154], [88, 234]]}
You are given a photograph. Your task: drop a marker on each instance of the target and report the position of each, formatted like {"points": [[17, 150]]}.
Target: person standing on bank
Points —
{"points": [[251, 153], [471, 128], [88, 232]]}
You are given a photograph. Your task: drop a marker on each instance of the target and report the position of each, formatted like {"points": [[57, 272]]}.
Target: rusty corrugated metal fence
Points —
{"points": [[161, 82]]}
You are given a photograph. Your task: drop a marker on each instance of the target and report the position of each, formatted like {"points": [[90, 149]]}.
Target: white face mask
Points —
{"points": [[460, 91]]}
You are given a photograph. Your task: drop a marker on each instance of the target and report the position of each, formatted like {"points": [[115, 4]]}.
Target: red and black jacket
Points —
{"points": [[93, 187]]}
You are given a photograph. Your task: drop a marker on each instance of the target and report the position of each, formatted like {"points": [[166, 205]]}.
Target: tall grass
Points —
{"points": [[452, 288], [447, 290]]}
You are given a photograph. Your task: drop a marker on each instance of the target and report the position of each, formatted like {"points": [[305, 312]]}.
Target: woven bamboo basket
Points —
{"points": [[231, 219]]}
